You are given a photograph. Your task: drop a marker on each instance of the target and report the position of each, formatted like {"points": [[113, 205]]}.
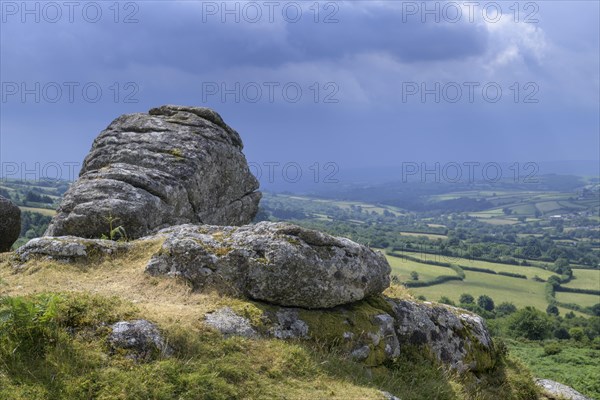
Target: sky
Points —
{"points": [[320, 85]]}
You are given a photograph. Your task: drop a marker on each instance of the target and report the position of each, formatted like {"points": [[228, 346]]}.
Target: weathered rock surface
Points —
{"points": [[171, 166], [230, 324], [68, 248], [278, 263], [10, 224], [559, 390], [454, 336], [378, 331], [139, 339]]}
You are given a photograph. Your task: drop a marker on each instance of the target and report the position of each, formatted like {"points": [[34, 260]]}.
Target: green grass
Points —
{"points": [[431, 236], [585, 279], [574, 366], [500, 288], [530, 272], [585, 300], [403, 268], [548, 206], [54, 346]]}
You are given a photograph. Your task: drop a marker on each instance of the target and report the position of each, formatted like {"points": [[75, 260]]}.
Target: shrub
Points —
{"points": [[552, 348], [446, 300], [485, 302], [552, 310], [466, 298], [505, 308], [577, 334], [530, 323], [562, 333]]}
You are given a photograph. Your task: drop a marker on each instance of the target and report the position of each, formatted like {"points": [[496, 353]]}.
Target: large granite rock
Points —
{"points": [[171, 166], [278, 263], [10, 224]]}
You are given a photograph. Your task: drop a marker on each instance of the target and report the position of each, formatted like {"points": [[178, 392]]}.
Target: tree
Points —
{"points": [[562, 333], [505, 309], [485, 302], [552, 310], [530, 323], [466, 298], [414, 275], [596, 309]]}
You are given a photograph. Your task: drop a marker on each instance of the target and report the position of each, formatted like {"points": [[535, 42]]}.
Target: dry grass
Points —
{"points": [[164, 300]]}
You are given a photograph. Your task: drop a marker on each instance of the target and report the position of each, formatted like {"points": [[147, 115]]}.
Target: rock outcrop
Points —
{"points": [[374, 331], [10, 224], [309, 286], [279, 263], [171, 166]]}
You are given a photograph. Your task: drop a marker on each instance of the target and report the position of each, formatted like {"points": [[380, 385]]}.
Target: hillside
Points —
{"points": [[65, 309]]}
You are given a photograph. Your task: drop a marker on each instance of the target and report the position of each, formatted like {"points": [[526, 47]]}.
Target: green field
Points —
{"points": [[403, 268], [431, 236], [530, 272], [520, 292], [585, 279], [585, 300]]}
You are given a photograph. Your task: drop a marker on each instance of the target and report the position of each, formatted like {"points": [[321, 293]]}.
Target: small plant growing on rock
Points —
{"points": [[115, 233]]}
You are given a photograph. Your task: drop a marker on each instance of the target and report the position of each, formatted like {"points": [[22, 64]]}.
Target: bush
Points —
{"points": [[485, 302], [530, 323], [577, 334], [552, 310], [446, 300], [505, 308], [466, 298], [552, 348]]}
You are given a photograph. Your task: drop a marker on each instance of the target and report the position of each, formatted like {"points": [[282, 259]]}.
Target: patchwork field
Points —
{"points": [[521, 292], [585, 279], [585, 300]]}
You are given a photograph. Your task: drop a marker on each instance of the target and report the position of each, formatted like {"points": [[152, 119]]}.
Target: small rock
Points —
{"points": [[140, 339], [362, 353], [560, 390], [230, 324], [10, 224], [68, 248], [389, 396], [288, 325]]}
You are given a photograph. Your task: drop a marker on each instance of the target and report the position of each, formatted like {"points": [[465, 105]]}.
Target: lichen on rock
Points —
{"points": [[147, 171], [279, 263]]}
